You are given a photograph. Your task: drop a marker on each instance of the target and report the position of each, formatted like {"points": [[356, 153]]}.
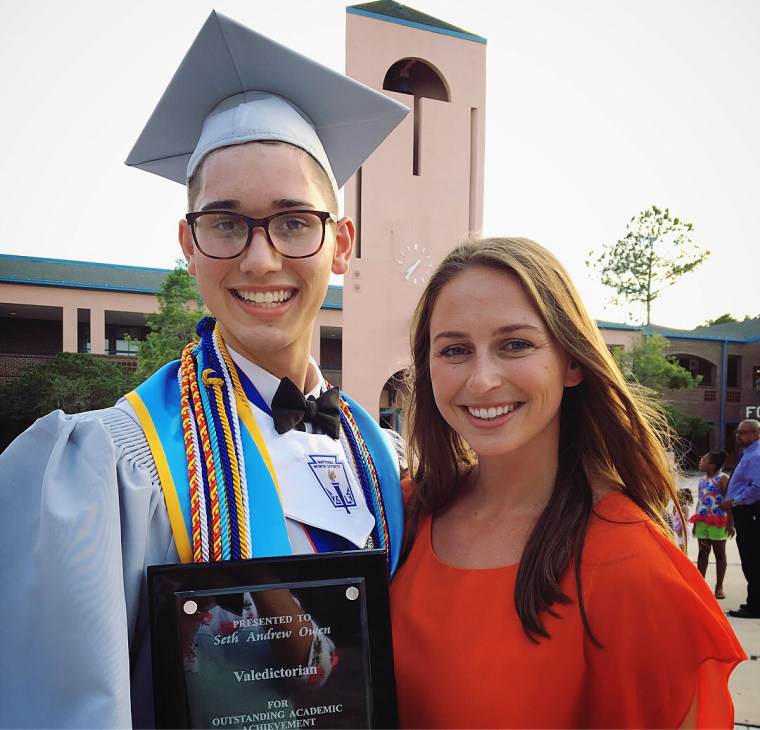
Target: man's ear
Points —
{"points": [[344, 245], [187, 245], [573, 374]]}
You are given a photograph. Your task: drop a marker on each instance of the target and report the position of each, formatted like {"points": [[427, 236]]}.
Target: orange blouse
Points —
{"points": [[463, 660]]}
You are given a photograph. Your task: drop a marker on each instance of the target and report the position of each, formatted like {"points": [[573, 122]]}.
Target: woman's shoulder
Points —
{"points": [[407, 489], [626, 553], [641, 593], [619, 528]]}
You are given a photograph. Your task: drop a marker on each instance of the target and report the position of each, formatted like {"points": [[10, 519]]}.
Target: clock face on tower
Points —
{"points": [[415, 264]]}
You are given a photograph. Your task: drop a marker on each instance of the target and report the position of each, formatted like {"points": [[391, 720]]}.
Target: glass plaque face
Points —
{"points": [[291, 642]]}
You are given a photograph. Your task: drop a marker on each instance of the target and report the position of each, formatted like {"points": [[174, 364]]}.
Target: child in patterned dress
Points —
{"points": [[712, 525]]}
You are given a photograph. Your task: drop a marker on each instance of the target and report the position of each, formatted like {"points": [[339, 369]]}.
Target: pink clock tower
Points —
{"points": [[419, 194]]}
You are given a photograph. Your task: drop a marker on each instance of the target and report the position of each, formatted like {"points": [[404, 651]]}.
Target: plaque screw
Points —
{"points": [[190, 608]]}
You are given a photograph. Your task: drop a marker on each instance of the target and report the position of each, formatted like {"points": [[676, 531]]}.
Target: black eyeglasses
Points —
{"points": [[294, 234]]}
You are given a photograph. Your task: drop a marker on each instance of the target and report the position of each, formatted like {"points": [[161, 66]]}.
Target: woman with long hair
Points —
{"points": [[541, 586]]}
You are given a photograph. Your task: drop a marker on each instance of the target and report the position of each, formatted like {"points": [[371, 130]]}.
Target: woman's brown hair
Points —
{"points": [[609, 433]]}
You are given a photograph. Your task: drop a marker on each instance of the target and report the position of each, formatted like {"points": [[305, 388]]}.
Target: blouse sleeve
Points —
{"points": [[663, 634], [76, 517]]}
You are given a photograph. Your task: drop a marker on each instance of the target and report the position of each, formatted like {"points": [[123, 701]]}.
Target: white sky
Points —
{"points": [[596, 109]]}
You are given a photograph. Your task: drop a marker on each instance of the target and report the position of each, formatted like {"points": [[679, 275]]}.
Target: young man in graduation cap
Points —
{"points": [[240, 449]]}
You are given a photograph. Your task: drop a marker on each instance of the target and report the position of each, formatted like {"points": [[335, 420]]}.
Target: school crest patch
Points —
{"points": [[331, 475]]}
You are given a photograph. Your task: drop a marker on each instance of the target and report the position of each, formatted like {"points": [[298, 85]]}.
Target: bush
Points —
{"points": [[70, 381]]}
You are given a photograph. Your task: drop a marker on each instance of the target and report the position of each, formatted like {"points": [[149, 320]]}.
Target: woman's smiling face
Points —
{"points": [[497, 374]]}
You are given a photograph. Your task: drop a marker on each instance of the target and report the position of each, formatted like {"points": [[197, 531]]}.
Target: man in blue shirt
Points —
{"points": [[743, 496]]}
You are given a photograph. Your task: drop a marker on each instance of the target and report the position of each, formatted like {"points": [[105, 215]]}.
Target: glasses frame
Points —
{"points": [[262, 223]]}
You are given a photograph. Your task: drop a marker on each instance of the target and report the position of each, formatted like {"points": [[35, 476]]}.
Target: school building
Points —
{"points": [[52, 305], [49, 306], [403, 230], [726, 357]]}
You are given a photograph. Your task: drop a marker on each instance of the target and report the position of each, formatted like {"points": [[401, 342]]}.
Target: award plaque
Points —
{"points": [[290, 642]]}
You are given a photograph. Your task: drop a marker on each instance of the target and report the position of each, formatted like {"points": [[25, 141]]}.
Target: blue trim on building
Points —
{"points": [[673, 334], [615, 326], [421, 26], [83, 263], [77, 285], [333, 298]]}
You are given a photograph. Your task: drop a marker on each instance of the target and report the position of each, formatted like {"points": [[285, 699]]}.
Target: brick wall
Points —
{"points": [[30, 335], [11, 363]]}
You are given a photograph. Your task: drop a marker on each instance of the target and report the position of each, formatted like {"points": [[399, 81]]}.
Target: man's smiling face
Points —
{"points": [[258, 180]]}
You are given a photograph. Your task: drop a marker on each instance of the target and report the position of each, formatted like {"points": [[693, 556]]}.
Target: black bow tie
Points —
{"points": [[290, 409]]}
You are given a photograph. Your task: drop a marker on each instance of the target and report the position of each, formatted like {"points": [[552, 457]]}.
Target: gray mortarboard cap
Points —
{"points": [[235, 85]]}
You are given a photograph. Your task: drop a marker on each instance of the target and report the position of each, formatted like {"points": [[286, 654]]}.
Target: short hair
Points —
{"points": [[322, 178], [752, 424], [609, 431], [717, 457], [685, 496]]}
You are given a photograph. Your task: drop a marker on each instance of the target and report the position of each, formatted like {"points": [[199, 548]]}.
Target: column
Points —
{"points": [[69, 325], [97, 331]]}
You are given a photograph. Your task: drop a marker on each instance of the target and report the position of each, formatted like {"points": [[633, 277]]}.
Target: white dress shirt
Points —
{"points": [[315, 473]]}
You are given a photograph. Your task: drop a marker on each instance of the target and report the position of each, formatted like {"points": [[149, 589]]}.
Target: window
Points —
{"points": [[734, 371], [697, 366], [415, 77]]}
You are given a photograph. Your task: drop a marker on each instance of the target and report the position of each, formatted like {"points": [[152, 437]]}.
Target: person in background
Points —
{"points": [[239, 450], [712, 524], [400, 446], [685, 500], [539, 578], [743, 499]]}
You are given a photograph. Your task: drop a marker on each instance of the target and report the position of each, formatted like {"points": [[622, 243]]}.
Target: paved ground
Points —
{"points": [[745, 680]]}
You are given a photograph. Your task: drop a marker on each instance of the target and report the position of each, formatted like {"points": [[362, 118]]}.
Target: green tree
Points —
{"points": [[173, 326], [727, 319], [659, 374], [687, 427], [70, 381], [723, 319], [656, 250], [647, 364]]}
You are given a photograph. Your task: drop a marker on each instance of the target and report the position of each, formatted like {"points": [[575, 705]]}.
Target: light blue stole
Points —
{"points": [[158, 408]]}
